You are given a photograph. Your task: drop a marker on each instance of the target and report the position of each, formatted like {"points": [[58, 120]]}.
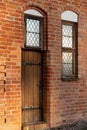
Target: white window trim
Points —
{"points": [[69, 16], [33, 12]]}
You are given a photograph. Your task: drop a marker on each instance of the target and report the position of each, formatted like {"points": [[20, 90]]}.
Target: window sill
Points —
{"points": [[69, 78]]}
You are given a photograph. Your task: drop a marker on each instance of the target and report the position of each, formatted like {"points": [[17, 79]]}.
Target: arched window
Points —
{"points": [[33, 29], [69, 45]]}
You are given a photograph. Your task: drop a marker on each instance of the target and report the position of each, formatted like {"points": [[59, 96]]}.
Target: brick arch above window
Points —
{"points": [[69, 16]]}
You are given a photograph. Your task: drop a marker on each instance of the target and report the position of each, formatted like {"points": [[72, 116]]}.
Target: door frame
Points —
{"points": [[42, 116]]}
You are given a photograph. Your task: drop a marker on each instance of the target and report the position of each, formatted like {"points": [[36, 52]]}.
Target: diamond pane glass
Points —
{"points": [[67, 69], [67, 36], [67, 42], [67, 63], [67, 30], [66, 57], [32, 40], [33, 32], [32, 25]]}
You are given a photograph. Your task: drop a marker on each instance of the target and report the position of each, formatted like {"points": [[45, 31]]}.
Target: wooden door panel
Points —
{"points": [[28, 93], [29, 86], [28, 116], [36, 86], [37, 115], [36, 93], [37, 79], [32, 77]]}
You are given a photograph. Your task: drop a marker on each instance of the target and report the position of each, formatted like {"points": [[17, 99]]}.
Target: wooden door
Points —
{"points": [[31, 86]]}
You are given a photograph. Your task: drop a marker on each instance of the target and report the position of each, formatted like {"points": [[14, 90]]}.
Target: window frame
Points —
{"points": [[40, 19], [73, 50]]}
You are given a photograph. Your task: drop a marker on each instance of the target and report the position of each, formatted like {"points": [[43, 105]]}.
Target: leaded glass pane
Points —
{"points": [[67, 30], [32, 39], [67, 69], [32, 33], [67, 63], [67, 36], [33, 25], [67, 42]]}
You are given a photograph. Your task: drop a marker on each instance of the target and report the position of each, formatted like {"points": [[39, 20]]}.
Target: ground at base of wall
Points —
{"points": [[78, 125]]}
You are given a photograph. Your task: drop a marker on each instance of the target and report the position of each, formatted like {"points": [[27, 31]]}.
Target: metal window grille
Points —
{"points": [[69, 49]]}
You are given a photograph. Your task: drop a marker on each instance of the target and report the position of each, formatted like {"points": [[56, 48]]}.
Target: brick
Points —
{"points": [[63, 101]]}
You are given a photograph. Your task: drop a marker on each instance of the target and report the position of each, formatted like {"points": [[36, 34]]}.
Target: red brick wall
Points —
{"points": [[64, 101]]}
